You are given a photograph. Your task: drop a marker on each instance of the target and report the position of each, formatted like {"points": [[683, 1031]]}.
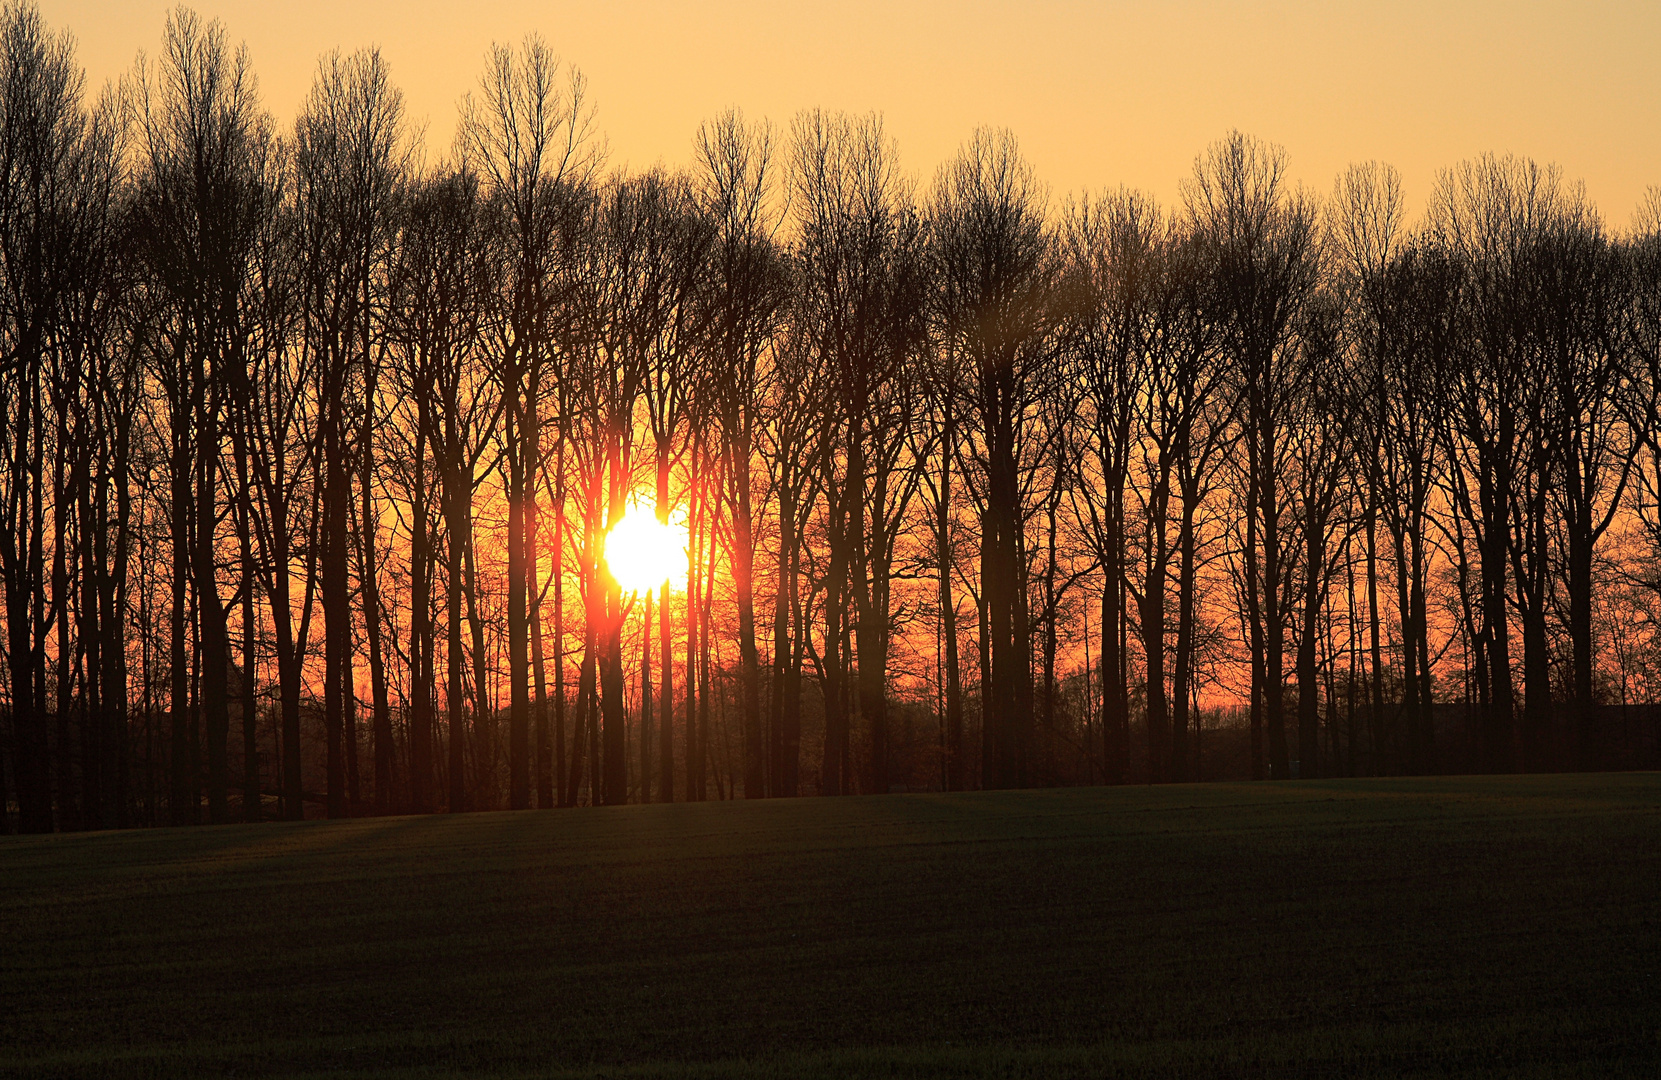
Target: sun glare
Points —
{"points": [[644, 553]]}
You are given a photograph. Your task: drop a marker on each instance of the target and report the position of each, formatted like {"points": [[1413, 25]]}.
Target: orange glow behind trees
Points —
{"points": [[974, 484]]}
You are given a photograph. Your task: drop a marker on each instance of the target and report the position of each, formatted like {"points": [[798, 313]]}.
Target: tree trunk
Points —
{"points": [[1273, 623], [544, 744], [583, 735], [381, 728], [519, 706], [337, 615], [251, 810], [1500, 753], [1309, 717], [562, 795], [1162, 742], [484, 707], [421, 628], [183, 806], [1183, 681], [694, 778], [613, 733], [666, 659], [948, 617], [456, 706], [646, 699], [749, 660]]}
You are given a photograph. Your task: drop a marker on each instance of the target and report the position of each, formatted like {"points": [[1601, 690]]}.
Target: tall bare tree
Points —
{"points": [[995, 275], [1260, 239], [203, 146], [527, 135]]}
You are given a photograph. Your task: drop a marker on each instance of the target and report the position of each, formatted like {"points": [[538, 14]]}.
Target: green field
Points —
{"points": [[1442, 927]]}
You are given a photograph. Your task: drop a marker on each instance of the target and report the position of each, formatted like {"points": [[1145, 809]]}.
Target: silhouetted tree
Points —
{"points": [[996, 269]]}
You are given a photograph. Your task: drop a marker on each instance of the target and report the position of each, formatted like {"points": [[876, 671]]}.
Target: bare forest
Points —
{"points": [[311, 439]]}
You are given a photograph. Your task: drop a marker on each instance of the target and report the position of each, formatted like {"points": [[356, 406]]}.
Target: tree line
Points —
{"points": [[311, 446]]}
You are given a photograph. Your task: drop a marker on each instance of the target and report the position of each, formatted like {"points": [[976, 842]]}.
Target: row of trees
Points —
{"points": [[304, 434]]}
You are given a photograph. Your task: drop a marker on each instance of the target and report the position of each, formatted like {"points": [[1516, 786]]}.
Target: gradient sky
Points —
{"points": [[1100, 94]]}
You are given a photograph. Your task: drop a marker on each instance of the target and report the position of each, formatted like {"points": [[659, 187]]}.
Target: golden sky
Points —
{"points": [[1100, 94]]}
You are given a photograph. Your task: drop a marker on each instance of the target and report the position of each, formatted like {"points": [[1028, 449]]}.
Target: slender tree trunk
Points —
{"points": [[1421, 636], [544, 743], [563, 796], [1052, 616], [1115, 693], [792, 722], [1183, 681], [749, 660], [646, 700], [519, 735], [1501, 755], [666, 659], [1001, 584], [114, 623], [1352, 728], [1162, 741], [251, 810], [382, 722], [705, 682], [421, 626], [484, 706], [613, 732], [1376, 716], [1409, 679], [534, 467], [23, 588], [90, 531], [583, 736], [63, 504], [1579, 575], [948, 616], [871, 635], [289, 662], [694, 780], [1254, 613], [215, 637], [832, 779], [1309, 717], [1273, 621], [456, 705], [349, 703], [337, 627], [983, 618], [183, 807]]}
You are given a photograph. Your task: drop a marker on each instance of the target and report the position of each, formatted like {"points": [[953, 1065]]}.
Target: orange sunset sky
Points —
{"points": [[1100, 94]]}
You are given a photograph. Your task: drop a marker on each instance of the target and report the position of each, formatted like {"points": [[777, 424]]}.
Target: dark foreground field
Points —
{"points": [[1451, 927]]}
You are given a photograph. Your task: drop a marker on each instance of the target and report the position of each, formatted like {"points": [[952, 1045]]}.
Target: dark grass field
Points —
{"points": [[1446, 927]]}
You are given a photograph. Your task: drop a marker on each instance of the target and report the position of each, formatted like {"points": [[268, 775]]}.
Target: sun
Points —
{"points": [[644, 553]]}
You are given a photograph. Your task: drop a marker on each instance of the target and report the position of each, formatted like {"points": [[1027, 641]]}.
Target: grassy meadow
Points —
{"points": [[1487, 926]]}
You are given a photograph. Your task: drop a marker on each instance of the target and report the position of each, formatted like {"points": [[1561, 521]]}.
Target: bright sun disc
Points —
{"points": [[643, 553]]}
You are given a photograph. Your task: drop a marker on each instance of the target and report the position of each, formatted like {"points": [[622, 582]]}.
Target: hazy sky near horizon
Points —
{"points": [[1100, 94]]}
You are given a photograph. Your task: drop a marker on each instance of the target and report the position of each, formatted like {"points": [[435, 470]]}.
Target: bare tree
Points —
{"points": [[204, 142], [63, 391], [996, 270], [347, 169], [1260, 240], [527, 137], [747, 290], [1498, 440], [1580, 309]]}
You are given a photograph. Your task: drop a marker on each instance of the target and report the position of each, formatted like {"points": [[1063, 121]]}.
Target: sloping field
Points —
{"points": [[1444, 927]]}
